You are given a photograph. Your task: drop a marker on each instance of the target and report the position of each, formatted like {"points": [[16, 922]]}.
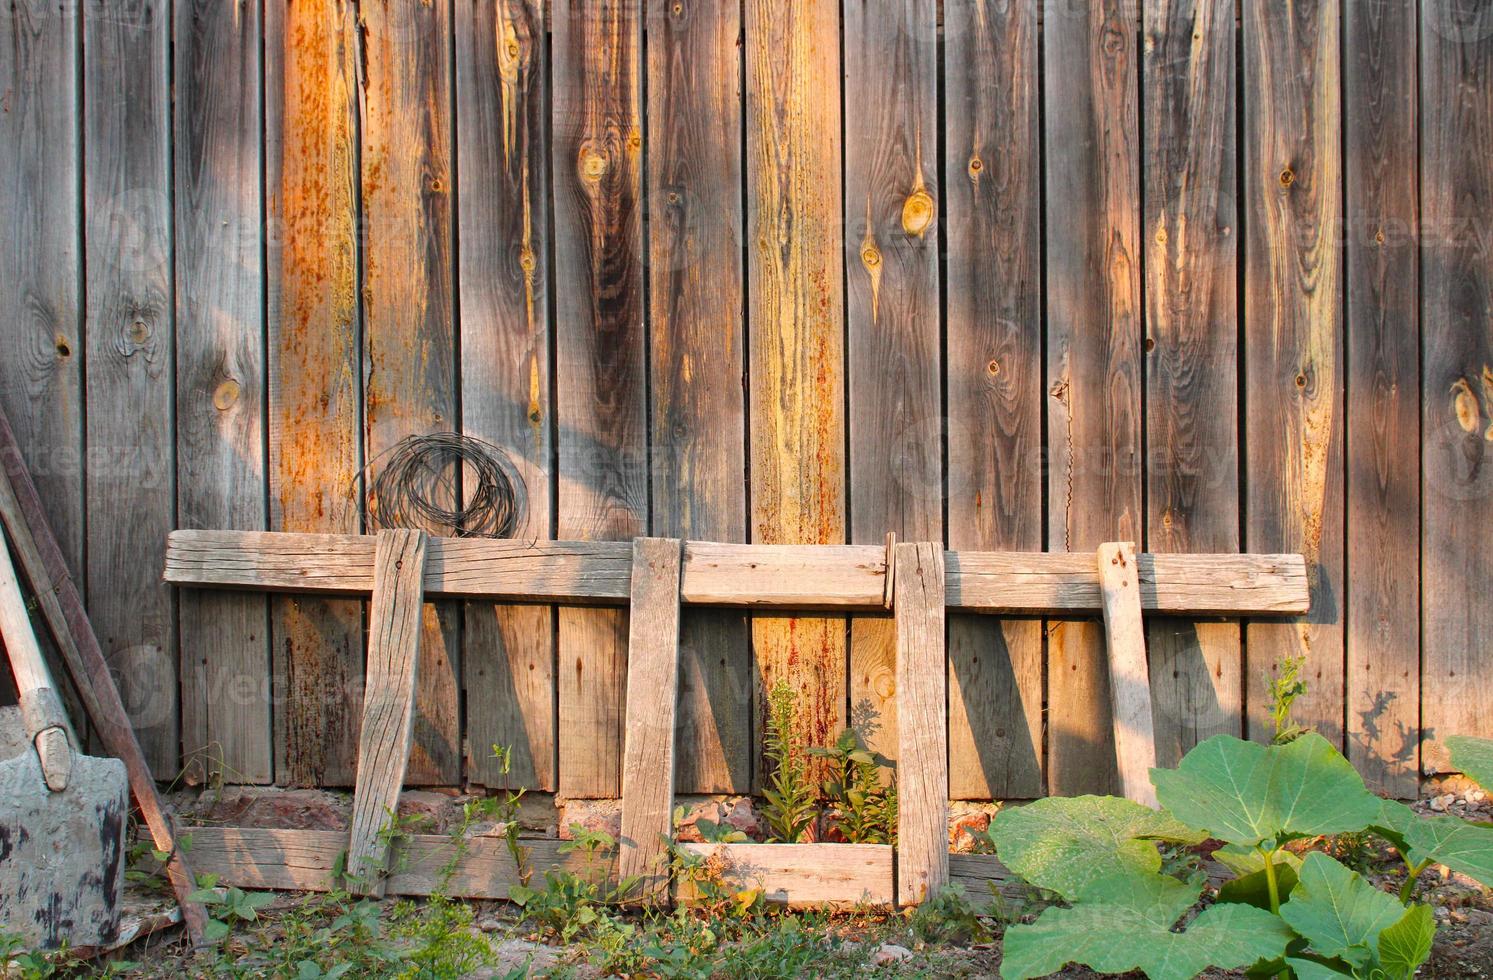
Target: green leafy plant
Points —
{"points": [[1285, 688], [228, 907], [572, 903], [947, 917], [1116, 864], [1473, 757], [788, 798], [865, 805]]}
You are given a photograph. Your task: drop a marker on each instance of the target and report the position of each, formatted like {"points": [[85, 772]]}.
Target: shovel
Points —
{"points": [[62, 813]]}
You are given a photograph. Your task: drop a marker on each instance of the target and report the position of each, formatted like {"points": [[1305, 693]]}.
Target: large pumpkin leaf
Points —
{"points": [[1312, 970], [1473, 757], [1064, 844], [1126, 924], [1404, 946], [1338, 912], [1247, 793], [1452, 841]]}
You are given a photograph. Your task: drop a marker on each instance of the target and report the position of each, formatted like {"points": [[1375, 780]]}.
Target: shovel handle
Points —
{"points": [[41, 710]]}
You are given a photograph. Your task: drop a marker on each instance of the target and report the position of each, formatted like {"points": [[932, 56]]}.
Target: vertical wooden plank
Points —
{"points": [[226, 723], [994, 284], [1129, 678], [1381, 113], [922, 740], [698, 411], [314, 388], [603, 483], [508, 652], [1192, 419], [1093, 348], [409, 332], [130, 472], [891, 267], [1457, 413], [796, 335], [396, 633], [1293, 362], [652, 702], [41, 382]]}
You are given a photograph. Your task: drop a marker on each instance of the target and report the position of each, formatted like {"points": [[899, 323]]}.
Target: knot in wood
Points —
{"points": [[917, 212], [225, 394], [593, 165]]}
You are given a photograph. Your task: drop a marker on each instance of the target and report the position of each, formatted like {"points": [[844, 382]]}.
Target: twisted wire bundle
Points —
{"points": [[417, 479]]}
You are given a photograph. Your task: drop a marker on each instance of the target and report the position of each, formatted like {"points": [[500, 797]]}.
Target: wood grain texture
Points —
{"points": [[1457, 380], [981, 877], [992, 190], [220, 375], [315, 391], [1381, 110], [600, 383], [799, 875], [396, 634], [41, 381], [922, 741], [796, 336], [698, 403], [306, 860], [508, 653], [892, 308], [409, 332], [129, 339], [1192, 339], [1129, 679], [652, 704], [1093, 348], [1293, 425]]}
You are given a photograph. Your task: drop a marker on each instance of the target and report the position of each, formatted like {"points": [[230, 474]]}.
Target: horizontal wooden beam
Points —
{"points": [[797, 874], [981, 877], [844, 578], [305, 860]]}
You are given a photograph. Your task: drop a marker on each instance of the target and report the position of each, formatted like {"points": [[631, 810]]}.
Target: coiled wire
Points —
{"points": [[414, 484]]}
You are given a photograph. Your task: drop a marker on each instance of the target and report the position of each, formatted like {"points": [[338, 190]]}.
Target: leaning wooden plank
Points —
{"points": [[1381, 107], [696, 340], [395, 636], [1129, 679], [652, 703], [1457, 374], [315, 370], [797, 874], [61, 606], [1094, 331], [130, 351], [923, 740], [601, 372], [1181, 584], [508, 652], [796, 332], [422, 864], [227, 730], [993, 223], [1294, 377], [1192, 341], [409, 334]]}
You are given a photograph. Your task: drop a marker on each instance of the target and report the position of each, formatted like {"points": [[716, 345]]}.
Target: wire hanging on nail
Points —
{"points": [[414, 484]]}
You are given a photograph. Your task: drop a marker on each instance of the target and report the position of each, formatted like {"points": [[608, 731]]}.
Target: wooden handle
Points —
{"points": [[41, 710]]}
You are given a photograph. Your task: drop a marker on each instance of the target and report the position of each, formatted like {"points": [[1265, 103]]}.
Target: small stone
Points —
{"points": [[891, 953], [1439, 804], [489, 923]]}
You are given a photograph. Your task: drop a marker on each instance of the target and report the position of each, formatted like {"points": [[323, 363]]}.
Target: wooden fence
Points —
{"points": [[1208, 277]]}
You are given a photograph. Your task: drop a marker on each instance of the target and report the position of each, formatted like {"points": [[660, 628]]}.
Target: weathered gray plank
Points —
{"points": [[800, 874], [1293, 426], [396, 634], [992, 189], [603, 482], [922, 741], [1129, 679], [698, 410], [1457, 381], [1093, 348], [226, 721], [652, 704], [508, 652], [315, 367], [129, 338], [1381, 100], [1192, 339]]}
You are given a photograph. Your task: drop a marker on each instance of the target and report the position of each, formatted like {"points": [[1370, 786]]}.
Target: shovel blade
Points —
{"points": [[62, 854]]}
